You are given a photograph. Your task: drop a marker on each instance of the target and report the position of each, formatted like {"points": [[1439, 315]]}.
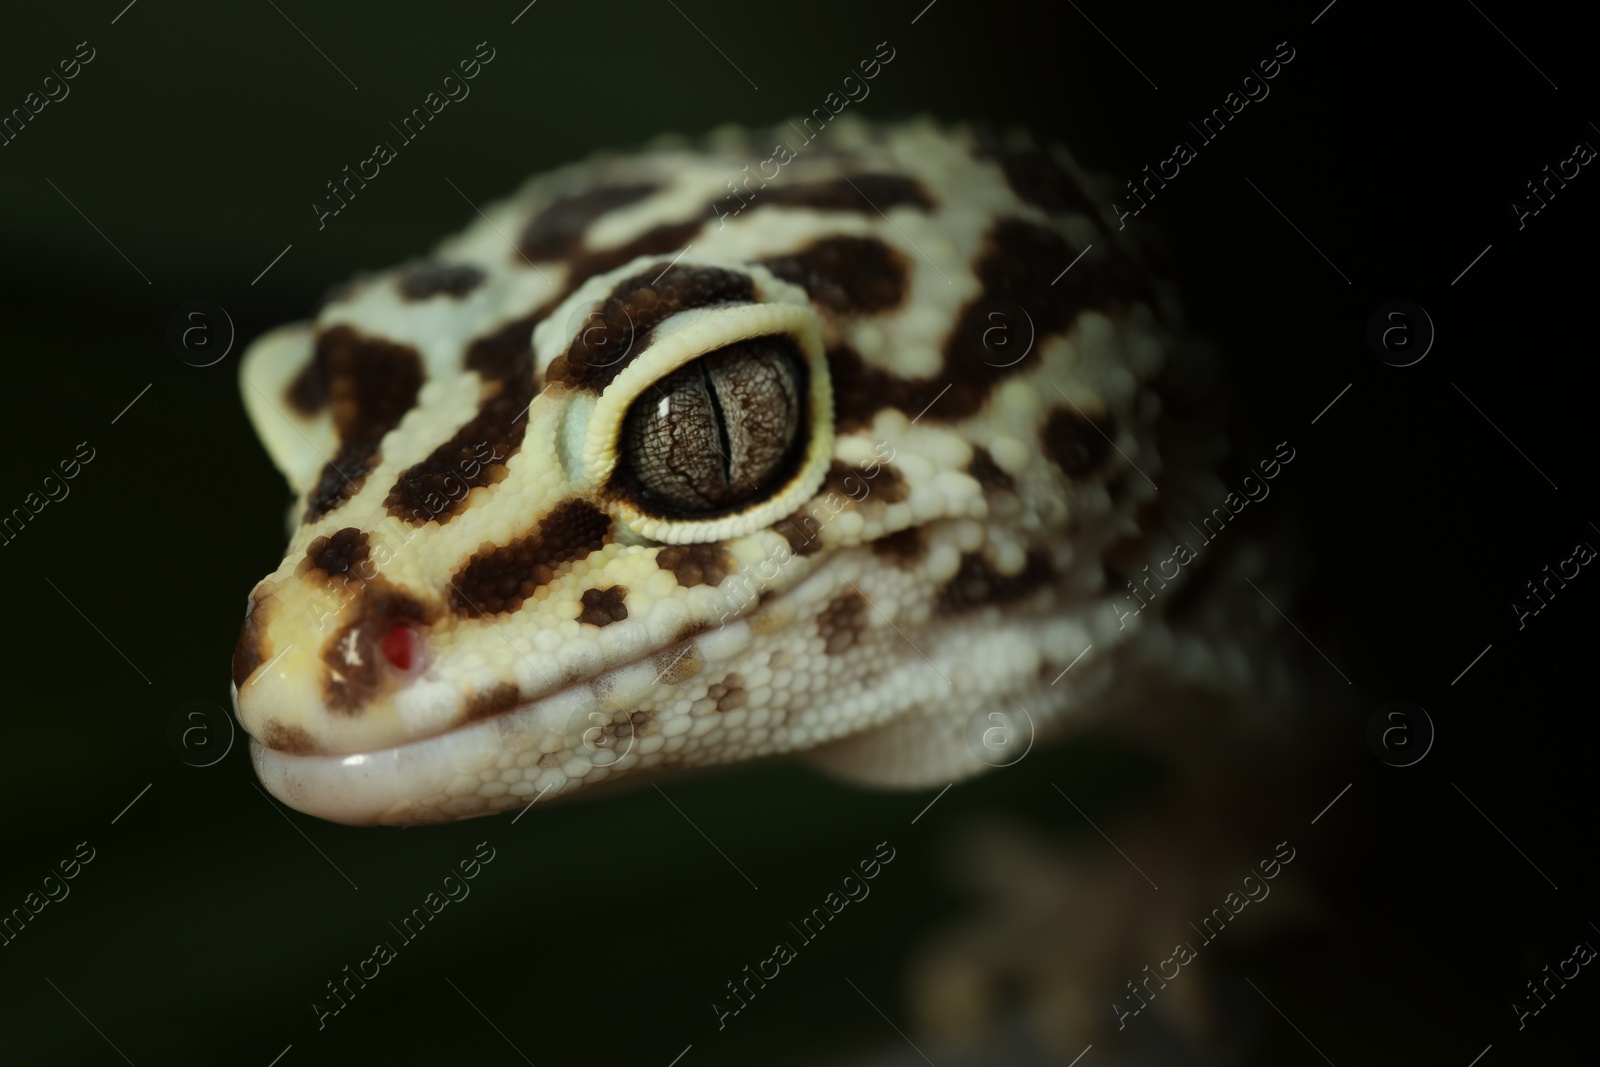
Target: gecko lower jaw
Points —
{"points": [[497, 763], [381, 787]]}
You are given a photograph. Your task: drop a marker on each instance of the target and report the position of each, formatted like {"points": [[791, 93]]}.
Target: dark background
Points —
{"points": [[196, 141]]}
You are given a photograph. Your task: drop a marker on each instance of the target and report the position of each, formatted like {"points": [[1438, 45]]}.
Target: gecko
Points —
{"points": [[665, 463]]}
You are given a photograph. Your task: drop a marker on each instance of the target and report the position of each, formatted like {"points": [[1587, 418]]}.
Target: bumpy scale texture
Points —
{"points": [[994, 419]]}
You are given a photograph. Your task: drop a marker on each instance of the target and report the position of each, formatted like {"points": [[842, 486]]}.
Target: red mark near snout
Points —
{"points": [[402, 647]]}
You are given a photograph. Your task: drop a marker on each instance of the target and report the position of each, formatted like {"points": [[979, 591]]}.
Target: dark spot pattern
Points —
{"points": [[803, 534], [291, 739], [558, 230], [602, 607], [1020, 265], [487, 703], [341, 477], [422, 281], [370, 384], [251, 650], [503, 353], [988, 473], [436, 489], [859, 484], [620, 330], [848, 275], [977, 584], [904, 547], [866, 193], [339, 552], [677, 664], [1036, 176], [842, 622], [1077, 445], [667, 239], [305, 394], [729, 694], [701, 564], [506, 351], [499, 579], [356, 669], [618, 734]]}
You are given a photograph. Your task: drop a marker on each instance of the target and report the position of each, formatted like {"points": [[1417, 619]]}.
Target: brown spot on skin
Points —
{"points": [[251, 650], [849, 275], [558, 230], [356, 669], [1036, 176], [341, 478], [702, 564], [305, 394], [691, 630], [488, 703], [988, 473], [860, 390], [668, 238], [803, 533], [499, 353], [291, 739], [618, 734], [437, 489], [904, 547], [866, 193], [842, 622], [1076, 444], [770, 620], [620, 328], [1017, 266], [338, 553], [729, 694], [977, 584], [499, 578], [677, 664], [860, 484], [506, 351], [370, 384], [602, 607], [422, 281]]}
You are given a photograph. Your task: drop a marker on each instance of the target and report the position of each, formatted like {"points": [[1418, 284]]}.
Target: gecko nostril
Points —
{"points": [[402, 647]]}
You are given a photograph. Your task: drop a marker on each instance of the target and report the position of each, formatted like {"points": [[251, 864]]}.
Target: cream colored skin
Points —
{"points": [[908, 702]]}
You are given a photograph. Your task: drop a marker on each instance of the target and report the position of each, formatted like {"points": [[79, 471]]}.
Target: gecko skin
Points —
{"points": [[662, 464]]}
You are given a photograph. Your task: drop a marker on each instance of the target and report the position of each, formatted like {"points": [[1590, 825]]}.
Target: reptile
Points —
{"points": [[856, 448]]}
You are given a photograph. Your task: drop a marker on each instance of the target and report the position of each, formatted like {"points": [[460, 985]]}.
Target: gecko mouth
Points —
{"points": [[553, 744]]}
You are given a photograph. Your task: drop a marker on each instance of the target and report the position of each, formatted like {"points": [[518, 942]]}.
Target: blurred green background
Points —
{"points": [[196, 141]]}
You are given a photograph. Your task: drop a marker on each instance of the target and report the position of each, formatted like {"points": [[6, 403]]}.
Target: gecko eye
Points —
{"points": [[719, 432]]}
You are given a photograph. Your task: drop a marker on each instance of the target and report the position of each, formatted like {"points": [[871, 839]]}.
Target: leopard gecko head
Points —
{"points": [[631, 477]]}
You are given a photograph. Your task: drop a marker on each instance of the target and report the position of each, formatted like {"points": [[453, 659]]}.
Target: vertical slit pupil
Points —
{"points": [[719, 432]]}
